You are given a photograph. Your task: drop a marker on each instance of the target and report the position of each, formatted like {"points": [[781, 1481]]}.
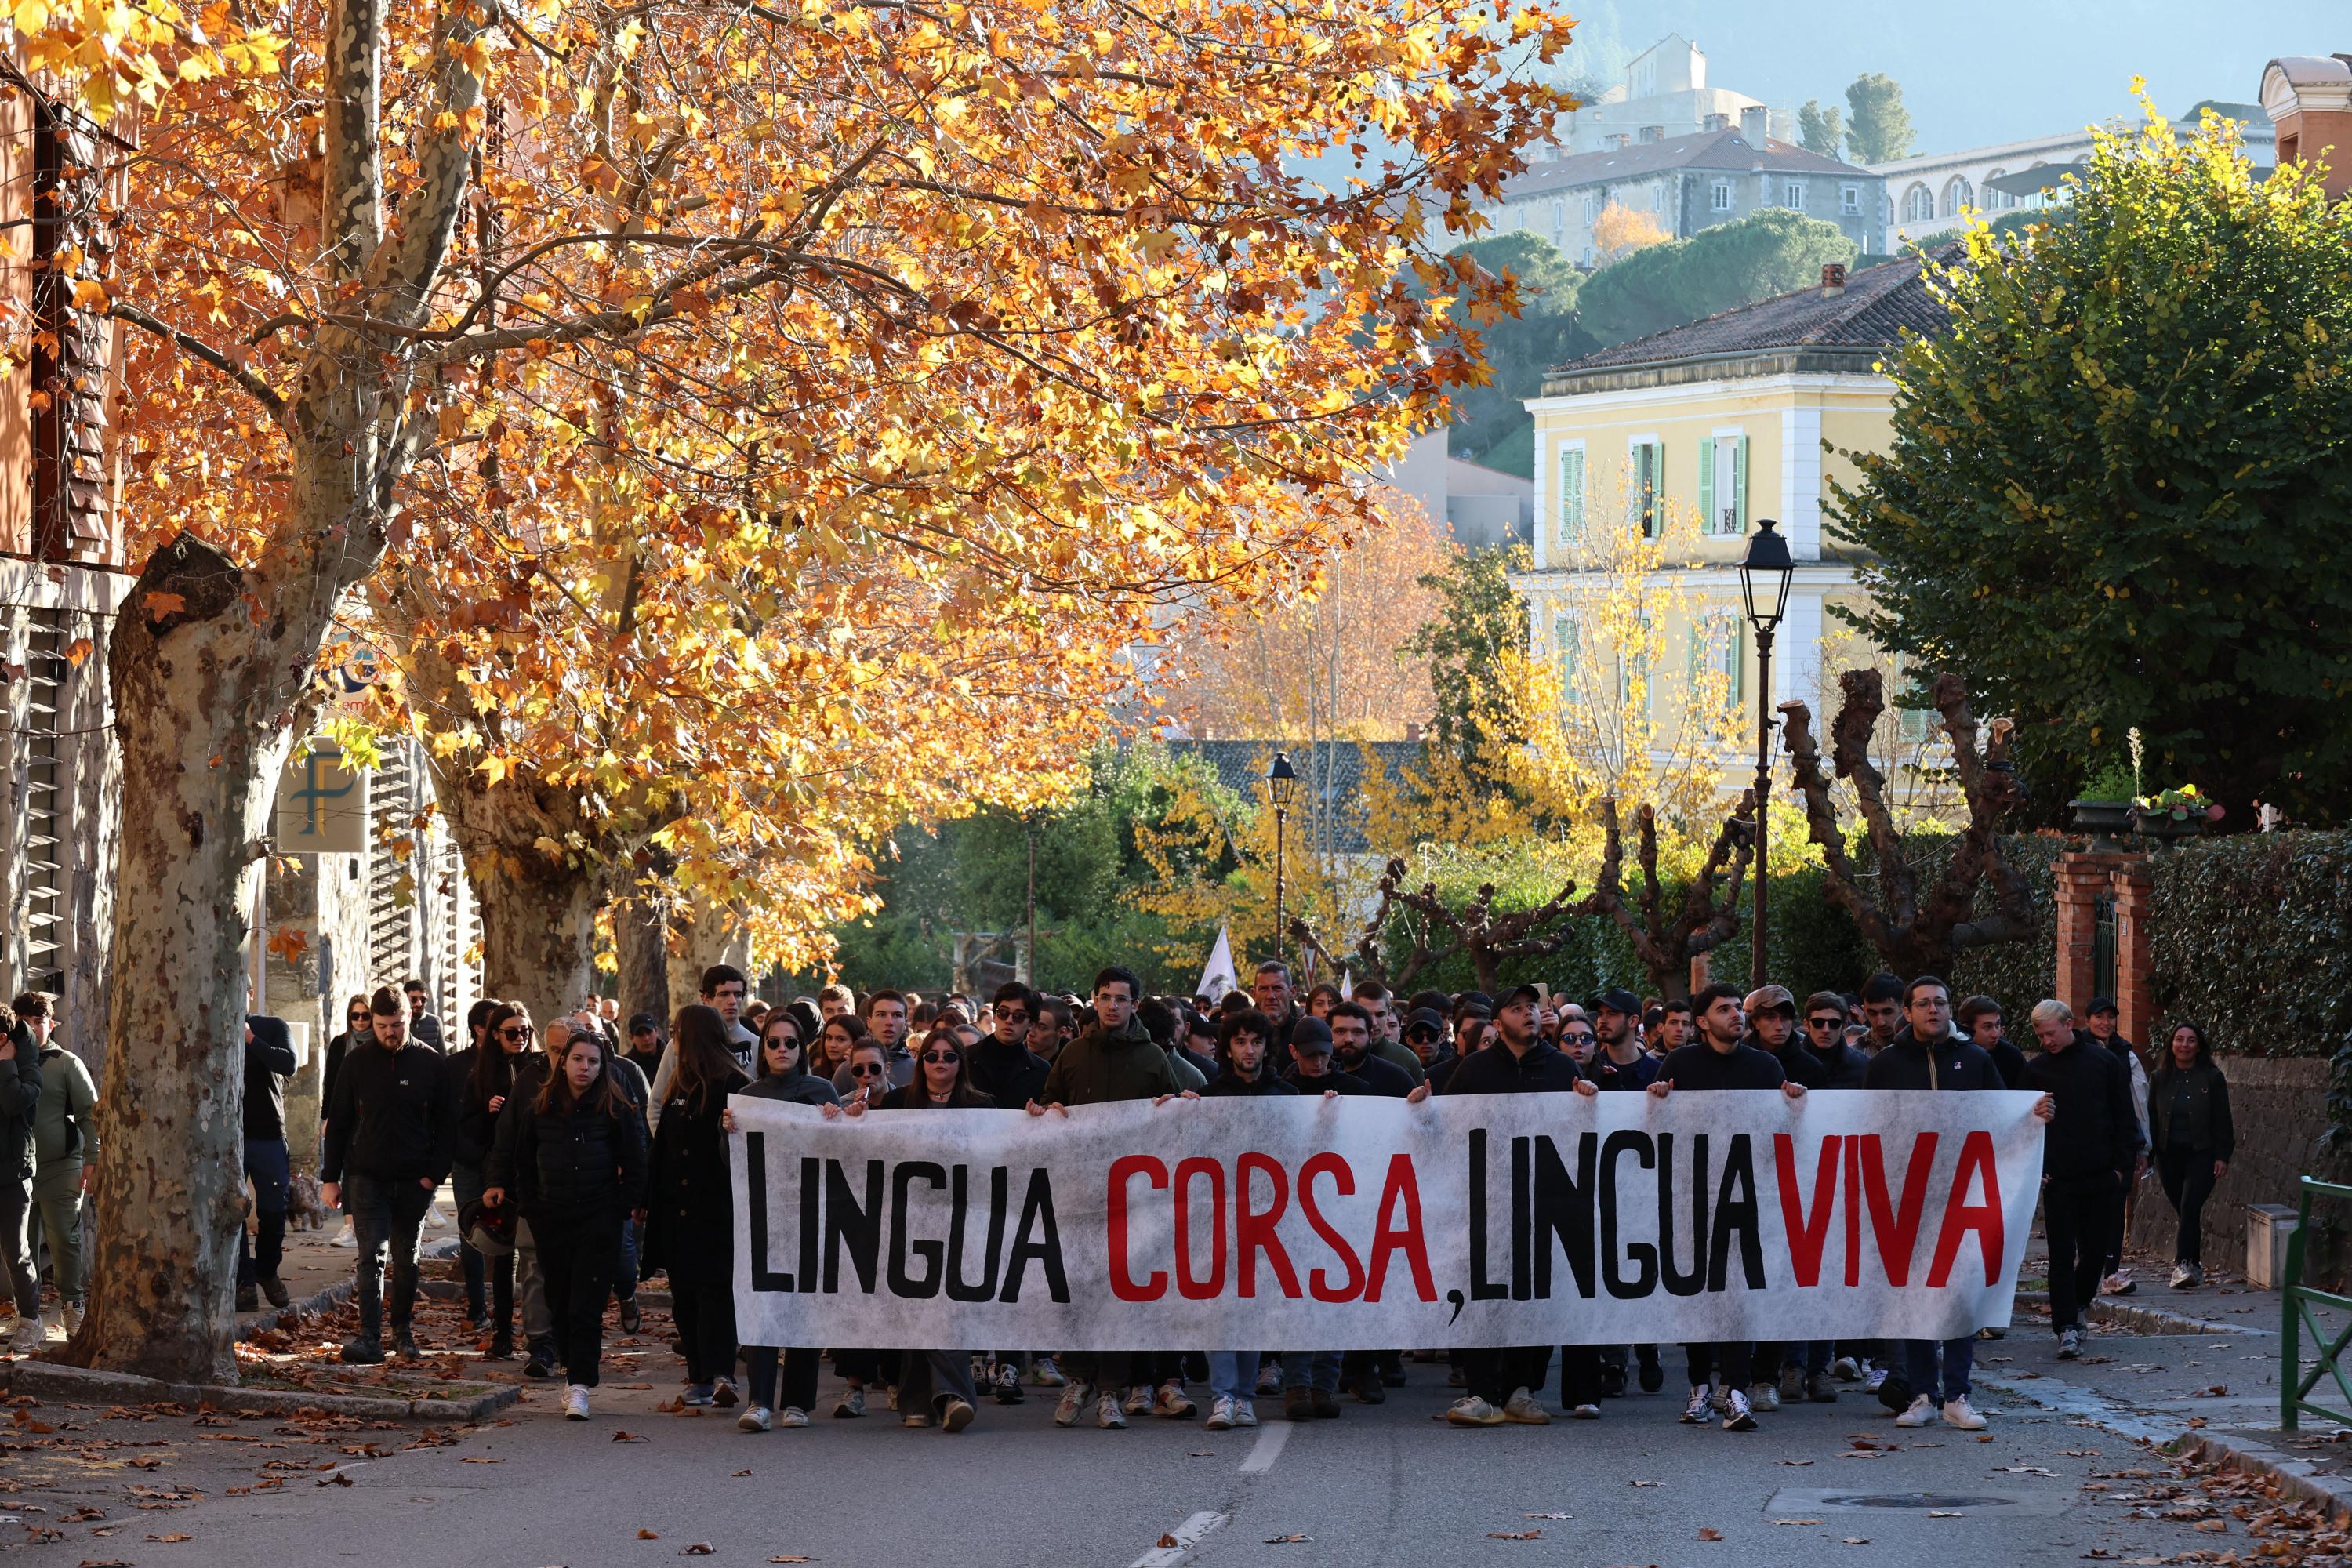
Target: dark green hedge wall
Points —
{"points": [[2251, 935]]}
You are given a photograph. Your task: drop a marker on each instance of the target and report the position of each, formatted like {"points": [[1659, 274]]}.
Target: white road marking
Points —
{"points": [[1269, 1448], [1186, 1536]]}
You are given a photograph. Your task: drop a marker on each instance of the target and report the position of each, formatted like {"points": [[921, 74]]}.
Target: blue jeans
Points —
{"points": [[625, 1279], [266, 1165], [1233, 1375], [1919, 1365], [1317, 1370]]}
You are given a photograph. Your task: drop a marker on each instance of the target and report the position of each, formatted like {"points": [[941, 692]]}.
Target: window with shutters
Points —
{"points": [[1723, 485], [1571, 501], [1719, 197], [392, 868], [1646, 458], [1718, 653], [1567, 643], [44, 917], [70, 350]]}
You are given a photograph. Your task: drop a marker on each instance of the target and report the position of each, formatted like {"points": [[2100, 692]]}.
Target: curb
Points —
{"points": [[2147, 1319], [291, 1316], [50, 1380], [2296, 1477]]}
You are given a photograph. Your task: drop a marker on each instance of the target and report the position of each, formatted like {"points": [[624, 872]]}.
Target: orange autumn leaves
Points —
{"points": [[819, 404]]}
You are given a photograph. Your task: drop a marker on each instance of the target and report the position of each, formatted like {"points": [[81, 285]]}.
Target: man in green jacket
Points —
{"points": [[65, 1146], [1115, 1058]]}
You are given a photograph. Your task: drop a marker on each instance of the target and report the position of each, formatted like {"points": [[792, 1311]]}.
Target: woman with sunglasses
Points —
{"points": [[934, 1384], [869, 1070], [690, 1205], [359, 1023], [780, 1399], [505, 1069]]}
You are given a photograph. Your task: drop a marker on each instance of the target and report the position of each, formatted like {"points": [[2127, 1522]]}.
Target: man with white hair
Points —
{"points": [[2093, 1135]]}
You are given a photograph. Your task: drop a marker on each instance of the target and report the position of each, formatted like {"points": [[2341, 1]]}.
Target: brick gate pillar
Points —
{"points": [[2135, 995], [2081, 879]]}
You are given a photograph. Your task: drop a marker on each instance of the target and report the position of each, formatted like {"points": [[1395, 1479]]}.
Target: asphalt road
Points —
{"points": [[1386, 1485]]}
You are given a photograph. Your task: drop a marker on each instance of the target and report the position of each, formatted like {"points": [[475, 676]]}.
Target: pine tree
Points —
{"points": [[1821, 127], [1880, 132]]}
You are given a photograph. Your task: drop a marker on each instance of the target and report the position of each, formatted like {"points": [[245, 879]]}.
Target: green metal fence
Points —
{"points": [[2297, 1301]]}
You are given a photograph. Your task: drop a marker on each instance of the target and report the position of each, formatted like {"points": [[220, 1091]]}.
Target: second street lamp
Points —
{"points": [[1764, 576], [1281, 788]]}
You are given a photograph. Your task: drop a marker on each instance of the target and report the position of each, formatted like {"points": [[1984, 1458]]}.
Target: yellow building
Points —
{"points": [[1655, 459]]}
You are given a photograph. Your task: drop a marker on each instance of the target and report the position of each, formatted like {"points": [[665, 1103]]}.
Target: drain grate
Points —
{"points": [[1847, 1499]]}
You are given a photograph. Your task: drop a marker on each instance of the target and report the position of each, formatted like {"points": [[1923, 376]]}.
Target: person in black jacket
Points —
{"points": [[389, 1127], [2192, 1137], [269, 1063], [359, 1028], [20, 1102], [1003, 1067], [503, 1067], [1721, 1059], [1428, 1037], [1502, 1382], [1351, 1027], [422, 1027], [784, 1396], [1927, 1054], [573, 1157], [1980, 1019], [2093, 1136], [1834, 1063], [689, 1203]]}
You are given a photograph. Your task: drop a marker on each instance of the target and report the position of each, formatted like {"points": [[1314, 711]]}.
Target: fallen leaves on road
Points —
{"points": [[2219, 1391], [621, 1436], [791, 1559], [1649, 1483], [103, 1562], [1796, 1461], [479, 1459], [175, 1536], [1857, 1541], [742, 1473], [648, 1535], [1287, 1540], [1556, 1514], [1168, 1540], [1944, 1514], [1796, 1521], [337, 1480], [700, 1549], [1515, 1535], [2025, 1470]]}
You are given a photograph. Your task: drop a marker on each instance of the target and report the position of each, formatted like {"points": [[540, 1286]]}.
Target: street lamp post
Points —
{"points": [[1029, 959], [1764, 588], [1281, 786]]}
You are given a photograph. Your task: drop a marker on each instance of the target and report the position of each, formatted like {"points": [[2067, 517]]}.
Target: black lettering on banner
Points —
{"points": [[1563, 1213], [811, 1191], [1481, 1287], [849, 1223], [1735, 1215], [1641, 1254], [755, 1172], [1037, 1212], [1676, 1282], [1522, 1226], [924, 1286], [999, 1182]]}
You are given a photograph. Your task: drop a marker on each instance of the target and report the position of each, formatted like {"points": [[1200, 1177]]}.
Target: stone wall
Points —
{"points": [[2280, 1106]]}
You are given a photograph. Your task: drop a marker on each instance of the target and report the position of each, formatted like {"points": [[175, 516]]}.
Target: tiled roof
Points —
{"points": [[1878, 305], [1702, 150], [1334, 767]]}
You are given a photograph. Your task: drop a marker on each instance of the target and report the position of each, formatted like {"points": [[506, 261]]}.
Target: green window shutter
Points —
{"points": [[1740, 485], [1571, 495], [1734, 650], [1563, 650], [1707, 484]]}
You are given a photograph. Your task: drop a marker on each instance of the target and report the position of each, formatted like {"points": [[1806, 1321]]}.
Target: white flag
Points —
{"points": [[1218, 977]]}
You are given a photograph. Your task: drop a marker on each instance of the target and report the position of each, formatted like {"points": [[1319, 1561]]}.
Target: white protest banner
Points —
{"points": [[1368, 1223]]}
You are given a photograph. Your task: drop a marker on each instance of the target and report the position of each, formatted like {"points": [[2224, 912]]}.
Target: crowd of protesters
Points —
{"points": [[584, 1157]]}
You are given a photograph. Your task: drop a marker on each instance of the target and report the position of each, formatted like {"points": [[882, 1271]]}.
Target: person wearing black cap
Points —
{"points": [[1503, 1381], [1427, 1034], [2100, 1021], [645, 1043], [1619, 1064], [1721, 1059]]}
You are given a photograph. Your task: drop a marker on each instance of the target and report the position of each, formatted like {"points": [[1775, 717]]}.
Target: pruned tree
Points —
{"points": [[1916, 934], [1708, 914], [1438, 931]]}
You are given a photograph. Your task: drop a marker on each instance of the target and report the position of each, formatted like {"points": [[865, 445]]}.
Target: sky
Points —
{"points": [[1985, 71]]}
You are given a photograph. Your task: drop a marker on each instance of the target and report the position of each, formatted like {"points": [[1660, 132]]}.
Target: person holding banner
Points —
{"points": [[689, 1220], [1722, 1058], [936, 1384], [780, 1398]]}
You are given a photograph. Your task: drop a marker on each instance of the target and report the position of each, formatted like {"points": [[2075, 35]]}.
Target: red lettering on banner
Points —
{"points": [[1853, 1212], [1401, 1188], [1254, 1233], [1193, 1289], [1123, 1169], [1897, 1234], [1807, 1231], [1961, 1217], [1343, 1182]]}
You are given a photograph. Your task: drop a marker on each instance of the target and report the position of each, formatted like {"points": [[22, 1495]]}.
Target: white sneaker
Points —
{"points": [[1921, 1414], [850, 1405], [1695, 1411], [1244, 1413], [30, 1336], [2181, 1276], [794, 1415], [1522, 1408], [1845, 1369], [1957, 1412], [1872, 1377], [1139, 1400], [1472, 1411], [1221, 1413], [1074, 1399], [434, 1218], [575, 1403], [2119, 1283], [755, 1419], [1171, 1404], [1763, 1396], [1106, 1412], [1587, 1412], [1047, 1374], [73, 1319], [345, 1237], [1736, 1415], [1269, 1379]]}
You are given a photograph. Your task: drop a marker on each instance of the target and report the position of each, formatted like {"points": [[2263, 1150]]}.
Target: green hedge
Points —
{"points": [[2251, 935]]}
